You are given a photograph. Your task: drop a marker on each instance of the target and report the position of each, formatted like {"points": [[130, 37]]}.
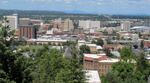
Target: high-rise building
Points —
{"points": [[87, 24], [27, 32], [68, 25], [147, 22], [12, 21], [125, 25]]}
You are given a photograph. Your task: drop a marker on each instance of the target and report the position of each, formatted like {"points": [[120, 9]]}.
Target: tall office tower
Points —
{"points": [[27, 32], [147, 22], [12, 21], [87, 24], [95, 24], [68, 25], [125, 25], [57, 23]]}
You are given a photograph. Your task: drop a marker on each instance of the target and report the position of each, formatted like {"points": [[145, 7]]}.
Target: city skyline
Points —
{"points": [[130, 7]]}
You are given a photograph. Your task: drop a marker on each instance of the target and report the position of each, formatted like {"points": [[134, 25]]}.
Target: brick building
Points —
{"points": [[27, 32], [99, 62]]}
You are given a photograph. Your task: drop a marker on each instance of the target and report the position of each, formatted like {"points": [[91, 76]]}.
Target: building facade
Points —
{"points": [[87, 24], [125, 25], [68, 25], [12, 21], [27, 32]]}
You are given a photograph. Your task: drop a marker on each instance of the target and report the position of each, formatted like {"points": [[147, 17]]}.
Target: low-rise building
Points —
{"points": [[92, 76], [106, 65], [99, 62], [147, 43], [113, 46], [91, 60], [93, 47]]}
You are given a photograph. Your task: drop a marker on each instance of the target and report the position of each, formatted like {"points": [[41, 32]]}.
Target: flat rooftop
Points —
{"points": [[109, 60], [92, 76]]}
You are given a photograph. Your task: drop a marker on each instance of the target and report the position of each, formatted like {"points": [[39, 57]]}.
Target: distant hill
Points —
{"points": [[30, 12], [74, 14], [41, 14]]}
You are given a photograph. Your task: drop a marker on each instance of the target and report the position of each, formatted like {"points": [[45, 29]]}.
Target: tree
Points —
{"points": [[127, 54], [3, 76], [72, 72], [100, 42], [84, 49], [142, 44], [10, 63], [93, 41], [108, 53], [143, 66], [126, 71], [123, 72]]}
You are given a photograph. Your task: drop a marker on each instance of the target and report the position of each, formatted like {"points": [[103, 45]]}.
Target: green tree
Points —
{"points": [[142, 44], [127, 71], [73, 71], [108, 53], [99, 42], [127, 54], [143, 66], [84, 49], [48, 65], [9, 59]]}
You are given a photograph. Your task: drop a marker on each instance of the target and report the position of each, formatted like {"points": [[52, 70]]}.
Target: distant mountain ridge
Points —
{"points": [[29, 12], [41, 12]]}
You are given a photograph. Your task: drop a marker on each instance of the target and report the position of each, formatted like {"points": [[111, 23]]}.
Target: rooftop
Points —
{"points": [[109, 60], [94, 55], [92, 76]]}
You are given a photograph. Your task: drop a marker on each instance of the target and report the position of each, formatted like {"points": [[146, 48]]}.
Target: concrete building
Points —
{"points": [[12, 21], [24, 21], [87, 24], [92, 76], [147, 22], [125, 25], [68, 25]]}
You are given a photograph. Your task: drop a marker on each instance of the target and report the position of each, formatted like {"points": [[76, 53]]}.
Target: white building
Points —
{"points": [[92, 76], [68, 25], [87, 24], [12, 21], [125, 25]]}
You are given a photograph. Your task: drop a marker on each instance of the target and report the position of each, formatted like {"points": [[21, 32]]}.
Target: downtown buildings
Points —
{"points": [[56, 32]]}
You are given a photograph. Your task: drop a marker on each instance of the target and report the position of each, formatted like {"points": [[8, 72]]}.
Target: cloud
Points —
{"points": [[70, 1], [3, 1], [104, 6]]}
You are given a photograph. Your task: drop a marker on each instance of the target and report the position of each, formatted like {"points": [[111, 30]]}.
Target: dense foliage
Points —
{"points": [[130, 69], [39, 65]]}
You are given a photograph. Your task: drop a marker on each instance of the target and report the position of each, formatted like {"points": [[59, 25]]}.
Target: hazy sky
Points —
{"points": [[86, 6]]}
